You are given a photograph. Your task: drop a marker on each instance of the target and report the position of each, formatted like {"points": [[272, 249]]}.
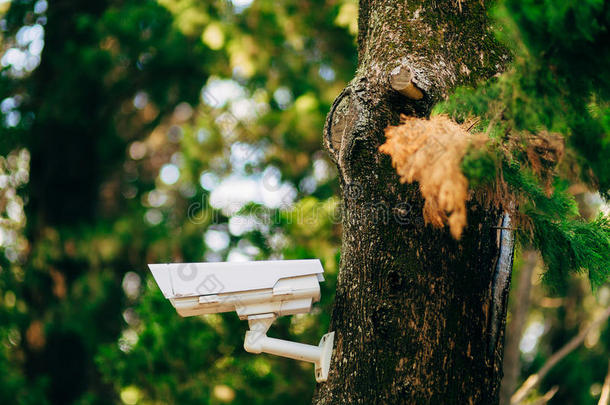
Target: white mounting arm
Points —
{"points": [[257, 341]]}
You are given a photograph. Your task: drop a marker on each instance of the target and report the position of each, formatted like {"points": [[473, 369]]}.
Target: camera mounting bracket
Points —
{"points": [[257, 341]]}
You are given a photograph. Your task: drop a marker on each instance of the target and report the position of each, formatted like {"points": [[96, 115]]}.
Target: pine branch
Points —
{"points": [[533, 380]]}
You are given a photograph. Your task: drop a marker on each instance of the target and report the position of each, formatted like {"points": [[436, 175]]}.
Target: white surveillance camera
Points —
{"points": [[259, 292]]}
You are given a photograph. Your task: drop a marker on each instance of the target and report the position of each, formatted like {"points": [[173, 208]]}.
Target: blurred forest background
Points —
{"points": [[137, 132]]}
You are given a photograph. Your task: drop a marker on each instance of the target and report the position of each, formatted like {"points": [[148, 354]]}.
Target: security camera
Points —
{"points": [[259, 292]]}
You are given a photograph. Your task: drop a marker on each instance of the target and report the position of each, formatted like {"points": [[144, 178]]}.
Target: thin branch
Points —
{"points": [[604, 398], [533, 380], [546, 397]]}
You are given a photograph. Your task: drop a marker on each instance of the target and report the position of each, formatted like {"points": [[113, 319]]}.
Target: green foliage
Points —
{"points": [[479, 166], [556, 82], [212, 93], [568, 243]]}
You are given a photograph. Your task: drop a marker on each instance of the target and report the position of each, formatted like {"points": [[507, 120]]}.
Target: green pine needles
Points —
{"points": [[548, 120], [567, 243]]}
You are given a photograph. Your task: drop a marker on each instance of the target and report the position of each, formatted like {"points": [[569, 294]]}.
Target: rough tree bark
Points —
{"points": [[415, 316]]}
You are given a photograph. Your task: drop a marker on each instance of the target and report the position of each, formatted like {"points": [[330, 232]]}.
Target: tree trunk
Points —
{"points": [[419, 317]]}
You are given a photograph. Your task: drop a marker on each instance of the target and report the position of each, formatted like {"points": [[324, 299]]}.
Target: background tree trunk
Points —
{"points": [[521, 300], [414, 314]]}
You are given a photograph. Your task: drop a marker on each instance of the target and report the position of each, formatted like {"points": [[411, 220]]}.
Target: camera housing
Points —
{"points": [[259, 292]]}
